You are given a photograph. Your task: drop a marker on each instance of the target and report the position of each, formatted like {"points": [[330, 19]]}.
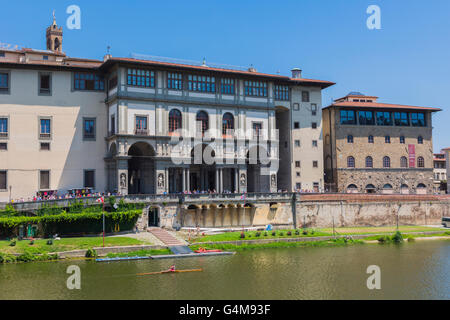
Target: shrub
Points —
{"points": [[31, 242], [257, 234], [274, 233], [50, 242], [12, 243], [297, 233], [289, 233], [91, 253], [411, 239], [397, 237], [242, 236], [265, 234], [7, 258], [312, 231], [305, 232], [383, 239], [281, 234], [26, 257]]}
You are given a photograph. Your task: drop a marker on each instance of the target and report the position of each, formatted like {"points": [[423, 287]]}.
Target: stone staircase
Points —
{"points": [[165, 237]]}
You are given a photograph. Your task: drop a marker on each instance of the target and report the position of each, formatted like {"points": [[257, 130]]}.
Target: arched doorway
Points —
{"points": [[352, 189], [257, 161], [421, 189], [141, 169], [404, 189], [387, 189], [370, 188], [202, 172]]}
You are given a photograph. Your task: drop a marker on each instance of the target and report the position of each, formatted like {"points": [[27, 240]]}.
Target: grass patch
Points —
{"points": [[254, 235], [281, 244], [380, 230], [140, 253], [40, 246]]}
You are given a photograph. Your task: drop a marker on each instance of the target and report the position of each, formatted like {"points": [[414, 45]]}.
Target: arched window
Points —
{"points": [[386, 162], [202, 122], [350, 139], [174, 120], [352, 189], [403, 162], [420, 162], [387, 186], [370, 139], [227, 124], [350, 162], [420, 140], [369, 162]]}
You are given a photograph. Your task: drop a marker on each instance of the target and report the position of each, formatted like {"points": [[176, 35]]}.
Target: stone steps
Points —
{"points": [[165, 237]]}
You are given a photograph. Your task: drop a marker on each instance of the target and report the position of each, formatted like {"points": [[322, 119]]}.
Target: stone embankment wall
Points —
{"points": [[322, 211]]}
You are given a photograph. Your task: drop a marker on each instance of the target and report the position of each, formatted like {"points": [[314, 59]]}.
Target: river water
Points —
{"points": [[419, 270]]}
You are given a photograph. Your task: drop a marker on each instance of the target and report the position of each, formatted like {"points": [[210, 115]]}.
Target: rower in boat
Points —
{"points": [[171, 269]]}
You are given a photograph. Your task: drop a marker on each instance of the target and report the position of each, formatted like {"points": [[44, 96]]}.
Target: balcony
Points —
{"points": [[141, 132], [45, 135], [3, 134]]}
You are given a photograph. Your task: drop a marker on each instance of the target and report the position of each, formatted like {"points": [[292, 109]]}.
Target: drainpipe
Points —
{"points": [[294, 209]]}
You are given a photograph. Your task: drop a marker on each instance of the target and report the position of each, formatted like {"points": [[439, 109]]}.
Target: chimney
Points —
{"points": [[251, 69], [296, 73], [107, 57]]}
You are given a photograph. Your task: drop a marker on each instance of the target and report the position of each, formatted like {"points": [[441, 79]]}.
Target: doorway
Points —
{"points": [[153, 217]]}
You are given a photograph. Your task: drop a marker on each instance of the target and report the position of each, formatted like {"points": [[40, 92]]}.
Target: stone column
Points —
{"points": [[183, 183], [188, 182], [243, 179], [221, 180], [236, 180], [217, 181]]}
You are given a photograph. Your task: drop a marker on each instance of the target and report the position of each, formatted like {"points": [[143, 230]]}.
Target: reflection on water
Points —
{"points": [[411, 271]]}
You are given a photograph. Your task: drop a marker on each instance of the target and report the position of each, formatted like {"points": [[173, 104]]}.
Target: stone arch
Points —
{"points": [[352, 188], [421, 189], [141, 168], [370, 188]]}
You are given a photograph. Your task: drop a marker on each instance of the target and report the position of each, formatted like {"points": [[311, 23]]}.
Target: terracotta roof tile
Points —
{"points": [[380, 106]]}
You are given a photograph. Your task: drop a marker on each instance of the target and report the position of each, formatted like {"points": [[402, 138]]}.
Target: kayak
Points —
{"points": [[202, 250], [169, 271]]}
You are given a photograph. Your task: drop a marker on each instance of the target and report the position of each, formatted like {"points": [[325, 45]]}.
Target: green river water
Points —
{"points": [[419, 270]]}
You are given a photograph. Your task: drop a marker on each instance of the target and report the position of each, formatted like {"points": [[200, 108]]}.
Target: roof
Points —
{"points": [[321, 83], [378, 105]]}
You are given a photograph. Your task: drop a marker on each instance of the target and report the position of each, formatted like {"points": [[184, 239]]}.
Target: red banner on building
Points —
{"points": [[412, 155]]}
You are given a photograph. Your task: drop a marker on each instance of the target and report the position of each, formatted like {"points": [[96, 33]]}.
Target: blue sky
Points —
{"points": [[405, 62]]}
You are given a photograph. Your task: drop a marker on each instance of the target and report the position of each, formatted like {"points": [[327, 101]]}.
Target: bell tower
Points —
{"points": [[54, 36]]}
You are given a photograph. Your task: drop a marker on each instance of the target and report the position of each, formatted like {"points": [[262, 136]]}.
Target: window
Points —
{"points": [[366, 118], [418, 119], [45, 128], [297, 173], [201, 83], [257, 129], [384, 119], [369, 162], [350, 162], [89, 125], [401, 119], [88, 81], [45, 80], [202, 122], [255, 88], [174, 80], [141, 125], [315, 164], [89, 178], [297, 164], [403, 162], [113, 124], [281, 92], [3, 127], [44, 57], [296, 106], [112, 83], [3, 146], [3, 181], [314, 125], [175, 121], [370, 139], [420, 140], [313, 109], [314, 143], [4, 82], [387, 139], [44, 180], [45, 146], [349, 139], [386, 162], [298, 186], [141, 78], [296, 125], [305, 96], [420, 162], [402, 139], [348, 117], [227, 124], [297, 143], [227, 85], [2, 54]]}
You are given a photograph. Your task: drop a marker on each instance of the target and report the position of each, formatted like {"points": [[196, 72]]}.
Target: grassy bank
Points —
{"points": [[380, 230], [65, 244], [278, 244], [255, 235]]}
